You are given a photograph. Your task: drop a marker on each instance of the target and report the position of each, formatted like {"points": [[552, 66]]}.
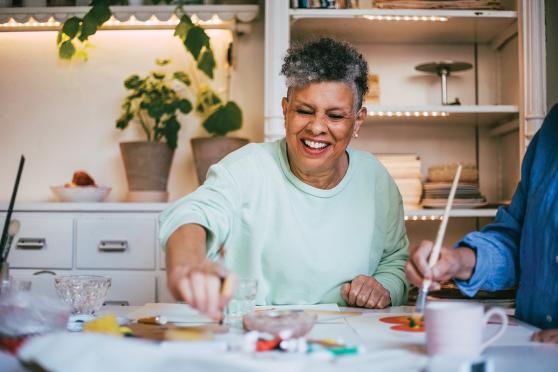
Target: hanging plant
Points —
{"points": [[218, 116]]}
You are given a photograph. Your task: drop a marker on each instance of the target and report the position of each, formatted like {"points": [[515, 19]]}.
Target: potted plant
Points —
{"points": [[218, 119], [219, 116], [154, 104]]}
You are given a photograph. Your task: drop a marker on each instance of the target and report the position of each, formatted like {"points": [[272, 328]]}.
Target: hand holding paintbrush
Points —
{"points": [[435, 254]]}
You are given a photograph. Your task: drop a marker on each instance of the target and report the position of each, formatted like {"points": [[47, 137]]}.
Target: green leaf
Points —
{"points": [[133, 82], [124, 120], [100, 12], [94, 19], [183, 77], [170, 131], [71, 27], [156, 110], [223, 120], [184, 106], [182, 28], [158, 75], [67, 50], [162, 62], [207, 63], [196, 40]]}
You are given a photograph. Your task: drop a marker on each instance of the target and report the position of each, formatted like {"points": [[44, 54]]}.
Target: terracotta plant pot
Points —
{"points": [[147, 167], [208, 151]]}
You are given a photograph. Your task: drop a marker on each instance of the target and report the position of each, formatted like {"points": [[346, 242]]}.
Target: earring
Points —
{"points": [[355, 135]]}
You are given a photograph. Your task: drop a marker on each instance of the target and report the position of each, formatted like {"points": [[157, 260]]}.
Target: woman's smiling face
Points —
{"points": [[320, 120]]}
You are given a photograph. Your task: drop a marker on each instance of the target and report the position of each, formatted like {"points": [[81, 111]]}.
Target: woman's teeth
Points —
{"points": [[315, 145]]}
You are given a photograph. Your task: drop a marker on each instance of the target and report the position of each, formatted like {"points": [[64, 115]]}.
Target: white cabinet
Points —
{"points": [[117, 240]]}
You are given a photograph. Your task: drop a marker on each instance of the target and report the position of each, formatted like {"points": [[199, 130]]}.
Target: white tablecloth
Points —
{"points": [[385, 350]]}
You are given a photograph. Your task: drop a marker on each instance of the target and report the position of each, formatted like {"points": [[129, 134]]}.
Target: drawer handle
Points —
{"points": [[113, 245], [44, 272], [31, 243], [117, 303]]}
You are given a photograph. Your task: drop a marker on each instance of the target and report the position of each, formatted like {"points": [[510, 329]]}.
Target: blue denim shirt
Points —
{"points": [[521, 246]]}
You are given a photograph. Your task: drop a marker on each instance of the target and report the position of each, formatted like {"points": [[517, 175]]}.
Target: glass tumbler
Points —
{"points": [[242, 302]]}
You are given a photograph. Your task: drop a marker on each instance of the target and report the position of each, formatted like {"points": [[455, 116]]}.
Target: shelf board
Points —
{"points": [[436, 214], [85, 207], [442, 114], [32, 19], [461, 26]]}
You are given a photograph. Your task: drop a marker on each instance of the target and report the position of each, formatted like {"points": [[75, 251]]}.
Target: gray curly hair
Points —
{"points": [[326, 59]]}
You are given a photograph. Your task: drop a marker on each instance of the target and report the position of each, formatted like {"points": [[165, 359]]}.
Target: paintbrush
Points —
{"points": [[421, 300], [13, 229], [3, 247]]}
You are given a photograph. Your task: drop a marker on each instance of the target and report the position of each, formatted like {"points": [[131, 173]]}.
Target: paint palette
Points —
{"points": [[404, 323]]}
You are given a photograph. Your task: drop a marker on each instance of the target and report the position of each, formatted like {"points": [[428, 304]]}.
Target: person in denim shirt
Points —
{"points": [[519, 248]]}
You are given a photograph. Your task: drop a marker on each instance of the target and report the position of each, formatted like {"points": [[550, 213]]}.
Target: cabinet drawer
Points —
{"points": [[42, 281], [42, 242], [163, 294], [116, 243], [129, 288]]}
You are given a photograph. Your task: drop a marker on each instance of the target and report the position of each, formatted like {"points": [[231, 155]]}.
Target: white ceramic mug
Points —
{"points": [[456, 328]]}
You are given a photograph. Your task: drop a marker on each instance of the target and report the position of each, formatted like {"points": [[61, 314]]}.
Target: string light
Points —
{"points": [[405, 18], [112, 22], [408, 113], [424, 218]]}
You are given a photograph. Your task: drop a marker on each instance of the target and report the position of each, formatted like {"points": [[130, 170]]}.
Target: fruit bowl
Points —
{"points": [[81, 194], [84, 293]]}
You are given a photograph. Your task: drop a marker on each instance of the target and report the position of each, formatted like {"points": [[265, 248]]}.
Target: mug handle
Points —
{"points": [[503, 316]]}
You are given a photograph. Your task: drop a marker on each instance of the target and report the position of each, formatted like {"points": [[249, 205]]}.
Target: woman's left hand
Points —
{"points": [[365, 291], [548, 336]]}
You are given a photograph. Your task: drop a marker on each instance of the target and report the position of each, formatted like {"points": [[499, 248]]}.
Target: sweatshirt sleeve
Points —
{"points": [[391, 268], [213, 206]]}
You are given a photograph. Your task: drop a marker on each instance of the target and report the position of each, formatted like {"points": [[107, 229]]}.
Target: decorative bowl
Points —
{"points": [[83, 194], [84, 293]]}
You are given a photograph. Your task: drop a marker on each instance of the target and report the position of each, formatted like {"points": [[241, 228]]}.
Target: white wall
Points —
{"points": [[62, 115]]}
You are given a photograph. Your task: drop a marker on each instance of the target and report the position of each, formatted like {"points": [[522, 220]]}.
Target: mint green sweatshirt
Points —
{"points": [[301, 243]]}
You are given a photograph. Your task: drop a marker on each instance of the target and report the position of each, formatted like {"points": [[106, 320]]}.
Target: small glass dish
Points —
{"points": [[84, 293], [296, 323]]}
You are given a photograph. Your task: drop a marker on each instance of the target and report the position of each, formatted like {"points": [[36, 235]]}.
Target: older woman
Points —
{"points": [[313, 220]]}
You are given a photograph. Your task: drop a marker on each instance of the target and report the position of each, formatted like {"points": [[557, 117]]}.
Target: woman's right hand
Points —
{"points": [[206, 286], [452, 263]]}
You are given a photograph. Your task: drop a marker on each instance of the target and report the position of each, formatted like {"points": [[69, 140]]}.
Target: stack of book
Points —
{"points": [[437, 189], [324, 4], [405, 170]]}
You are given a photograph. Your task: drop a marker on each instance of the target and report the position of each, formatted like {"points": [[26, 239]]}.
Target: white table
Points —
{"points": [[387, 350]]}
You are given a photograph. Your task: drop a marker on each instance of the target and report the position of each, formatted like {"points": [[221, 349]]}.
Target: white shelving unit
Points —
{"points": [[502, 96]]}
